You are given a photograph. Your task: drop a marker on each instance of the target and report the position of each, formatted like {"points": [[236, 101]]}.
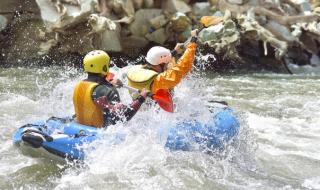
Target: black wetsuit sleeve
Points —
{"points": [[108, 99], [109, 92]]}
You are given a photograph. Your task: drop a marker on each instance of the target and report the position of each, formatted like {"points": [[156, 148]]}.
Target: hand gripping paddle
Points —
{"points": [[162, 96]]}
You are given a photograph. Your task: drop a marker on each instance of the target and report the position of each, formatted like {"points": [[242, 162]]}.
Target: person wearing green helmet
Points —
{"points": [[96, 101]]}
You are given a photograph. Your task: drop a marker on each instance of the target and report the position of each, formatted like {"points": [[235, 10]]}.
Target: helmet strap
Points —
{"points": [[105, 68], [163, 67]]}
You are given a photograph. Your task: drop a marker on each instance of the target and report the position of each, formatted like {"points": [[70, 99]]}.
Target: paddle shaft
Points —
{"points": [[206, 22], [131, 88], [162, 97], [136, 90], [188, 40]]}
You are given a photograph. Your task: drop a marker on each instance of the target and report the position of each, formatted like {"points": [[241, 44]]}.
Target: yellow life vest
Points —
{"points": [[87, 112], [139, 77]]}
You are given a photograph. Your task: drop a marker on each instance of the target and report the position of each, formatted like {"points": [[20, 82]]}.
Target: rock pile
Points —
{"points": [[245, 31]]}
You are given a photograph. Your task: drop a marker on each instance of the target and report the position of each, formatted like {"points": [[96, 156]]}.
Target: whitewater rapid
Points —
{"points": [[277, 147]]}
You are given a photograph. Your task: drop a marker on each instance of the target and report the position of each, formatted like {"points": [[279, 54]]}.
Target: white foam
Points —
{"points": [[312, 183]]}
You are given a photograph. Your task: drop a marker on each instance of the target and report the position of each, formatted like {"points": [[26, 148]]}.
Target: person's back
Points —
{"points": [[96, 101]]}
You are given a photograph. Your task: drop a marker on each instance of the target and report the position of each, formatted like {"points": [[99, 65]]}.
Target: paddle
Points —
{"points": [[206, 21], [210, 20], [162, 96]]}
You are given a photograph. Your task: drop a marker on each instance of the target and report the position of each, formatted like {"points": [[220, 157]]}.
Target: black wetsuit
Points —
{"points": [[114, 110]]}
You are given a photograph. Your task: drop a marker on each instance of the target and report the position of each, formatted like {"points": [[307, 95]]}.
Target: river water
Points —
{"points": [[277, 147]]}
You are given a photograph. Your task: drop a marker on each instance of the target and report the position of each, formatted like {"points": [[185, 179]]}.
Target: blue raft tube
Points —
{"points": [[64, 137]]}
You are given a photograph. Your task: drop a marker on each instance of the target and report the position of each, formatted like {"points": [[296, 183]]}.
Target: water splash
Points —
{"points": [[275, 149], [140, 161]]}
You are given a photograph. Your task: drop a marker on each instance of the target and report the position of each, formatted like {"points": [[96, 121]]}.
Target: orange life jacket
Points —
{"points": [[139, 77], [87, 112]]}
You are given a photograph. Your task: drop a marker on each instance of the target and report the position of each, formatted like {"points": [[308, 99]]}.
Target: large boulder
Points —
{"points": [[141, 25], [159, 36], [110, 40], [66, 25], [105, 33], [60, 16]]}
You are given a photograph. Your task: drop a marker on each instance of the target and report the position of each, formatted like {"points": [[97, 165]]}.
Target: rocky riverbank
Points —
{"points": [[242, 33]]}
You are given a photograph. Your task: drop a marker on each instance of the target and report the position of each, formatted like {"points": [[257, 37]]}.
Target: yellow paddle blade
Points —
{"points": [[210, 20]]}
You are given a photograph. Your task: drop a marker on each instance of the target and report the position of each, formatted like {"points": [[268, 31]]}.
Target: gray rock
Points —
{"points": [[158, 21], [280, 31], [179, 22], [123, 9], [100, 23], [110, 41], [185, 34], [211, 33], [132, 45], [223, 37], [10, 6], [173, 6], [141, 25], [159, 36], [65, 25], [202, 9], [3, 22], [49, 13], [304, 6], [237, 2], [148, 3], [61, 15], [137, 4], [134, 41]]}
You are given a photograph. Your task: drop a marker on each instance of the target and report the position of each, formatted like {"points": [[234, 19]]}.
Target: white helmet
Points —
{"points": [[158, 55]]}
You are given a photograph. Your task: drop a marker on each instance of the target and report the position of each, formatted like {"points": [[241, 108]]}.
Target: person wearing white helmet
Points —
{"points": [[96, 101], [155, 74]]}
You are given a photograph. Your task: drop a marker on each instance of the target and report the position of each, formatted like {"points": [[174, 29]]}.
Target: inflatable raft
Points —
{"points": [[64, 138]]}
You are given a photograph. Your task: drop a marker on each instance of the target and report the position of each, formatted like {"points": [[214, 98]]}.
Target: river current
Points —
{"points": [[277, 147]]}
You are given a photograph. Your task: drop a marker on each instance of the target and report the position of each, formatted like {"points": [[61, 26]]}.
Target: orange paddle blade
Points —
{"points": [[210, 20], [164, 99]]}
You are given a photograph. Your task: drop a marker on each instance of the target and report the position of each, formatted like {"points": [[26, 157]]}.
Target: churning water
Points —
{"points": [[277, 148]]}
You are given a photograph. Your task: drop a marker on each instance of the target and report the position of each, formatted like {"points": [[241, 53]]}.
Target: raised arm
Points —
{"points": [[173, 76]]}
